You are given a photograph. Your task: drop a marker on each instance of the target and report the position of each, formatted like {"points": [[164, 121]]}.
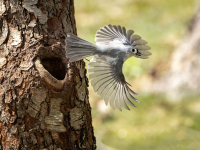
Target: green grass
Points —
{"points": [[156, 123]]}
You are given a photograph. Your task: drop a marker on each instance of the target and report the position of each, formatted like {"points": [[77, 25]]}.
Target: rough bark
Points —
{"points": [[43, 98], [183, 77]]}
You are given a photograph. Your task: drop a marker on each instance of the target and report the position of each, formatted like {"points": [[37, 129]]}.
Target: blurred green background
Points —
{"points": [[157, 123]]}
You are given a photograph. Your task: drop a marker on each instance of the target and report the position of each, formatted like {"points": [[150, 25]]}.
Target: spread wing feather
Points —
{"points": [[110, 33], [139, 42], [129, 33], [145, 53], [135, 37], [110, 84], [142, 47]]}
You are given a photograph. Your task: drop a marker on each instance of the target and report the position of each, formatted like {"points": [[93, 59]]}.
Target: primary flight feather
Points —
{"points": [[113, 47]]}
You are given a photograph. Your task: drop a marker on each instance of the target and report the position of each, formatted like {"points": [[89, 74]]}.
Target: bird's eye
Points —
{"points": [[134, 50]]}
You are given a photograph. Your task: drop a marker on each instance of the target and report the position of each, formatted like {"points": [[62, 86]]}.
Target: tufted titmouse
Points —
{"points": [[113, 47]]}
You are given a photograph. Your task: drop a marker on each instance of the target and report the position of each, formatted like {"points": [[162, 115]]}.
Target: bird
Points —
{"points": [[114, 45]]}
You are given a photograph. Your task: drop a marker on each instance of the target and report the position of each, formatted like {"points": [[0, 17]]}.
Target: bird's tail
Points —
{"points": [[77, 48]]}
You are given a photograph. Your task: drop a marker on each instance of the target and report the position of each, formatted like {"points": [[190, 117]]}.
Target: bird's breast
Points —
{"points": [[111, 49]]}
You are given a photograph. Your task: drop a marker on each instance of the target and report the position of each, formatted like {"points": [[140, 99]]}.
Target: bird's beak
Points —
{"points": [[138, 53]]}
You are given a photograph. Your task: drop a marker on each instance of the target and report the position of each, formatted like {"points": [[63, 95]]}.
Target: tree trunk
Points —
{"points": [[183, 77], [43, 98]]}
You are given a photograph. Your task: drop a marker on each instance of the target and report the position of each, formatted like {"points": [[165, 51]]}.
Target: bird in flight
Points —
{"points": [[114, 45]]}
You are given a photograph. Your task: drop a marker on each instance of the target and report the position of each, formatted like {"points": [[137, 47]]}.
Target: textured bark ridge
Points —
{"points": [[43, 98]]}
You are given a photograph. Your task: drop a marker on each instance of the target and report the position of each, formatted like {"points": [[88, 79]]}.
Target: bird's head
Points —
{"points": [[139, 51], [134, 52]]}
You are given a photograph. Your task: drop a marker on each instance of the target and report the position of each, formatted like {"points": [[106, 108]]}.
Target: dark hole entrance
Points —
{"points": [[55, 67]]}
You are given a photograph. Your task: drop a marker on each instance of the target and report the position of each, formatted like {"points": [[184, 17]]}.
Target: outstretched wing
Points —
{"points": [[110, 84], [110, 33]]}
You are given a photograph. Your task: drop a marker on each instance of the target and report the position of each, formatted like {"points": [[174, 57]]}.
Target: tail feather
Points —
{"points": [[77, 48], [75, 58], [82, 56]]}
